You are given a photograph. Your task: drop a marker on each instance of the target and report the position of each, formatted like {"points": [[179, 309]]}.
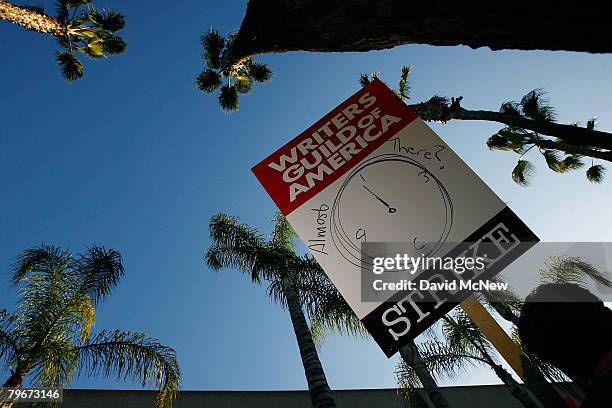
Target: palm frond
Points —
{"points": [[259, 72], [535, 106], [71, 67], [409, 387], [510, 108], [208, 80], [522, 173], [463, 336], [111, 21], [364, 80], [228, 98], [45, 260], [55, 363], [243, 84], [213, 44], [132, 356], [9, 345], [239, 246], [283, 234], [100, 270], [446, 362], [510, 139], [571, 162], [226, 230], [595, 173], [327, 309], [114, 45], [553, 161], [404, 85], [90, 32], [574, 270]]}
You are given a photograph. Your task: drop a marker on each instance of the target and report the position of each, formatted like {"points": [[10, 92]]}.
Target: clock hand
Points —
{"points": [[391, 209]]}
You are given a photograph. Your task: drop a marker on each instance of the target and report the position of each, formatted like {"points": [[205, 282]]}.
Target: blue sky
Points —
{"points": [[133, 157]]}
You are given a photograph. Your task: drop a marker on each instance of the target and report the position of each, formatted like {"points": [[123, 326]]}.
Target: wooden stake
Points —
{"points": [[508, 349]]}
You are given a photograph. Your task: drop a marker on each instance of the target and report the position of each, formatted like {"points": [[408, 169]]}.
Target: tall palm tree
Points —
{"points": [[530, 126], [329, 312], [238, 246], [49, 337], [463, 336], [222, 70], [79, 27], [276, 26]]}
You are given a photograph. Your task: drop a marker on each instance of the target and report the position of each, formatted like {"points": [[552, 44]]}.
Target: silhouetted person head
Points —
{"points": [[568, 326]]}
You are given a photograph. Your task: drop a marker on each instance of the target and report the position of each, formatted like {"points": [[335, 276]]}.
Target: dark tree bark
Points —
{"points": [[516, 389], [320, 393], [364, 25], [16, 378], [539, 386], [412, 358], [14, 381], [437, 109]]}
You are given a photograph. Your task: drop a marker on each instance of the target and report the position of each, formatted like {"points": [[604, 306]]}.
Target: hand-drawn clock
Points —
{"points": [[390, 198]]}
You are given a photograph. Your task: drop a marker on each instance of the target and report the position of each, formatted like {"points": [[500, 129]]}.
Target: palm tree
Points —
{"points": [[276, 26], [79, 28], [49, 337], [463, 336], [528, 122], [234, 76], [239, 246], [329, 312]]}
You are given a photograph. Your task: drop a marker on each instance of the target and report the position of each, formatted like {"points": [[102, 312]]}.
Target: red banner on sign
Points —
{"points": [[328, 149]]}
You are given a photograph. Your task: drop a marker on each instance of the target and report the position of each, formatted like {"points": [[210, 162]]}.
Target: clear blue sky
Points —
{"points": [[133, 157]]}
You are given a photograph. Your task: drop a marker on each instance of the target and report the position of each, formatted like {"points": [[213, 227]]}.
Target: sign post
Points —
{"points": [[371, 171], [481, 317]]}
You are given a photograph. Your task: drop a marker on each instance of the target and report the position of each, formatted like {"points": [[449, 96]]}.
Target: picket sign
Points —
{"points": [[372, 171]]}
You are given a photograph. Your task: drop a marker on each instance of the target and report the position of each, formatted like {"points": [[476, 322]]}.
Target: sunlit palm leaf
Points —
{"points": [[132, 356], [243, 85], [522, 172], [571, 162]]}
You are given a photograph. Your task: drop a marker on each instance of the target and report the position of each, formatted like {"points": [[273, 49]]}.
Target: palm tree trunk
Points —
{"points": [[516, 389], [504, 310], [437, 109], [14, 381], [412, 358], [533, 378], [31, 19], [364, 25], [539, 385], [320, 393]]}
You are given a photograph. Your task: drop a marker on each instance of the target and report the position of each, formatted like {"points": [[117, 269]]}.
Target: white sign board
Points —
{"points": [[371, 170]]}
